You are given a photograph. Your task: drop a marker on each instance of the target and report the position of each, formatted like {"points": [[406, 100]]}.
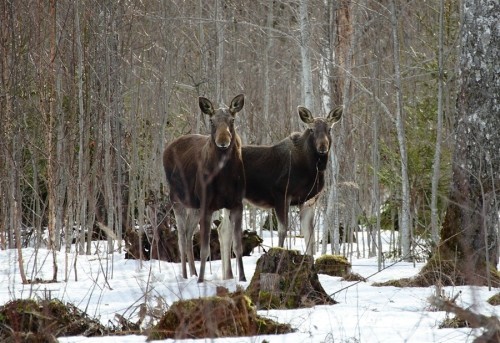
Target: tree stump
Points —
{"points": [[286, 279]]}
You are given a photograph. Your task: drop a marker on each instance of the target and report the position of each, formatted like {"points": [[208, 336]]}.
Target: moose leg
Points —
{"points": [[180, 218], [235, 217], [206, 218], [225, 240], [282, 214], [192, 220], [307, 227]]}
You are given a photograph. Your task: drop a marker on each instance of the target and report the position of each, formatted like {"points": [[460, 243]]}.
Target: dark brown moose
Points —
{"points": [[289, 173], [205, 174]]}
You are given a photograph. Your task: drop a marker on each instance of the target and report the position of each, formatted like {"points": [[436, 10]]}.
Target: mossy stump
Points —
{"points": [[286, 279], [224, 315], [494, 300], [333, 265], [27, 320]]}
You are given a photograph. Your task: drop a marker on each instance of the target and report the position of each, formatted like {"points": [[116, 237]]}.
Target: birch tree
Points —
{"points": [[405, 185], [219, 61], [305, 33]]}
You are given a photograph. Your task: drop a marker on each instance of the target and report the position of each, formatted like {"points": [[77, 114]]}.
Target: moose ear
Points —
{"points": [[237, 103], [334, 115], [206, 106], [305, 115]]}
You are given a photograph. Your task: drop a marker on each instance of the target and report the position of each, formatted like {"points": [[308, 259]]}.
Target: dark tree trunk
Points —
{"points": [[469, 233]]}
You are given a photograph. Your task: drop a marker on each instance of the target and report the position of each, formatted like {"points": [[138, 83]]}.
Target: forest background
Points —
{"points": [[90, 92]]}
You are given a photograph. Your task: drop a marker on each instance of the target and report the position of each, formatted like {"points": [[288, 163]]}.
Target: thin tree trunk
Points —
{"points": [[305, 33], [376, 185], [13, 129], [333, 205], [219, 62], [405, 189], [119, 194], [51, 160], [110, 100], [328, 56], [61, 162], [84, 144], [203, 64], [436, 165], [326, 75], [267, 81], [37, 220], [17, 214]]}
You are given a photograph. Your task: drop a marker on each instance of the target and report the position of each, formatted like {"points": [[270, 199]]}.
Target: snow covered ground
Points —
{"points": [[108, 284]]}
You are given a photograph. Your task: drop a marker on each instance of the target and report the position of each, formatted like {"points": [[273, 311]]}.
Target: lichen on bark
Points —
{"points": [[468, 234]]}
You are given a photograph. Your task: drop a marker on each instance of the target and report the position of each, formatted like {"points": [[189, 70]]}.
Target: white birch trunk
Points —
{"points": [[305, 33], [376, 186], [330, 226], [405, 189], [219, 62]]}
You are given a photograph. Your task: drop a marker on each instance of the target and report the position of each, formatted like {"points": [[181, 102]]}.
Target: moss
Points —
{"points": [[41, 320], [353, 277], [494, 300], [453, 323], [404, 282], [229, 315], [495, 276], [269, 300], [286, 279], [267, 326], [333, 265], [291, 302], [332, 259]]}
